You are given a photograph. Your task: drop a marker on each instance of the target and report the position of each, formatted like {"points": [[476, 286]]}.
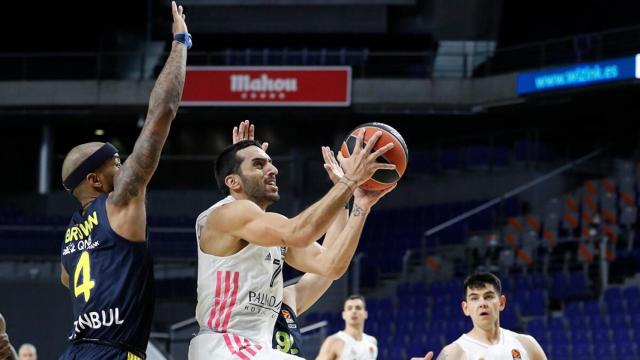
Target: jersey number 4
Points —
{"points": [[84, 267]]}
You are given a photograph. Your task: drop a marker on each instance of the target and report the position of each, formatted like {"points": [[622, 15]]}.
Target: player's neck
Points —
{"points": [[87, 199], [243, 196], [355, 331], [489, 336]]}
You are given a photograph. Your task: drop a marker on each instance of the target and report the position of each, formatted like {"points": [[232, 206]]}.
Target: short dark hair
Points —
{"points": [[481, 279], [228, 162], [357, 297]]}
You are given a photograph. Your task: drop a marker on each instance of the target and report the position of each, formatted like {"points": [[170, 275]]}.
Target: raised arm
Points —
{"points": [[332, 259], [329, 261], [126, 204], [165, 97], [243, 219], [302, 295]]}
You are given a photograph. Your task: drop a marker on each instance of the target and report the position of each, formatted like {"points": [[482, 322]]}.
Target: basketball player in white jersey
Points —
{"points": [[341, 240], [241, 249], [487, 340], [351, 343]]}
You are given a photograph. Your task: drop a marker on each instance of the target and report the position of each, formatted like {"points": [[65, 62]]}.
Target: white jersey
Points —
{"points": [[507, 348], [364, 349], [239, 294]]}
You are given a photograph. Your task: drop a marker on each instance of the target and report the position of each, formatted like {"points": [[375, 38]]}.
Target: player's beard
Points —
{"points": [[256, 191]]}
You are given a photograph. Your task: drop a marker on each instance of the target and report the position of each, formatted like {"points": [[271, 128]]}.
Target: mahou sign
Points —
{"points": [[267, 86]]}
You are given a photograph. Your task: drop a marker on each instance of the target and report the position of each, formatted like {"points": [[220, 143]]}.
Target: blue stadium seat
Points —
{"points": [[581, 352], [580, 336], [631, 293], [603, 351], [559, 351], [612, 294], [573, 310], [556, 323], [618, 321], [591, 308], [625, 351]]}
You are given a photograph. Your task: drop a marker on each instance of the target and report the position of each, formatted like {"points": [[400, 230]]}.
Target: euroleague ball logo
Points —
{"points": [[515, 354], [285, 314]]}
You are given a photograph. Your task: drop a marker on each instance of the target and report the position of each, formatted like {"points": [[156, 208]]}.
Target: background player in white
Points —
{"points": [[352, 343], [27, 352], [241, 247], [483, 302]]}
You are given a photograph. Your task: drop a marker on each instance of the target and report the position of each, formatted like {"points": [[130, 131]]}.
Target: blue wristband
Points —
{"points": [[184, 38]]}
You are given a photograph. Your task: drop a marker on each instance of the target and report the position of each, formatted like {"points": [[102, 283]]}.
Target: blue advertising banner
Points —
{"points": [[578, 75]]}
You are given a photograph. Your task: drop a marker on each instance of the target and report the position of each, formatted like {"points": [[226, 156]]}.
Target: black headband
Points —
{"points": [[93, 162]]}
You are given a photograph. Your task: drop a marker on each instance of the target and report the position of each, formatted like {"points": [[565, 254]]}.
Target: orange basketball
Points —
{"points": [[398, 155]]}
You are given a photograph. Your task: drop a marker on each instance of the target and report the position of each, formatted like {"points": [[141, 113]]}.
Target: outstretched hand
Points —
{"points": [[367, 198], [246, 131], [179, 25], [364, 198], [331, 165], [362, 164]]}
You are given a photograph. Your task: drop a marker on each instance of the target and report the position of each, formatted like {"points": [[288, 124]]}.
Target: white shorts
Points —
{"points": [[227, 346]]}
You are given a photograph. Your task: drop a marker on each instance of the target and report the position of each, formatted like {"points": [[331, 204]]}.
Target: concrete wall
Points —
{"points": [[464, 93]]}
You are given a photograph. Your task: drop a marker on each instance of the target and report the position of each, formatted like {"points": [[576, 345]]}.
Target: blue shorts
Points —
{"points": [[91, 351]]}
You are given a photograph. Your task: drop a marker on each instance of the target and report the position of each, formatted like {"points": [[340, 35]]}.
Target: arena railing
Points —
{"points": [[139, 65]]}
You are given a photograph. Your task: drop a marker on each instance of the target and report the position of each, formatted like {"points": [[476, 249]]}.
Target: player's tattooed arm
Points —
{"points": [[164, 101]]}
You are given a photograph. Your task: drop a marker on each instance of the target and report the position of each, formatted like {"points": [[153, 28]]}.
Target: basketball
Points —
{"points": [[398, 155]]}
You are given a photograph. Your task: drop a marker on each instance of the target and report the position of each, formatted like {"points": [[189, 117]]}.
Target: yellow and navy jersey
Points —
{"points": [[111, 281], [286, 333]]}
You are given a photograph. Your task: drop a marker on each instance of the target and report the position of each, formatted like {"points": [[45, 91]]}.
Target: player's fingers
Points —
{"points": [[252, 131], [382, 150], [372, 141], [383, 166], [234, 134], [359, 141]]}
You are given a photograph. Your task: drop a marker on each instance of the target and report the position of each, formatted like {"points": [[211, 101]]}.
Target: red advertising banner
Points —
{"points": [[267, 86]]}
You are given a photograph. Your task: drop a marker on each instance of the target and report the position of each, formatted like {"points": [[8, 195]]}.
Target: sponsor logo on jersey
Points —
{"points": [[261, 303], [96, 320], [515, 354], [82, 230], [81, 245]]}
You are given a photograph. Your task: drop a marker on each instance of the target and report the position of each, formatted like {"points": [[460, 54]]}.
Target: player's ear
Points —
{"points": [[503, 302], [233, 182], [465, 308], [94, 180]]}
